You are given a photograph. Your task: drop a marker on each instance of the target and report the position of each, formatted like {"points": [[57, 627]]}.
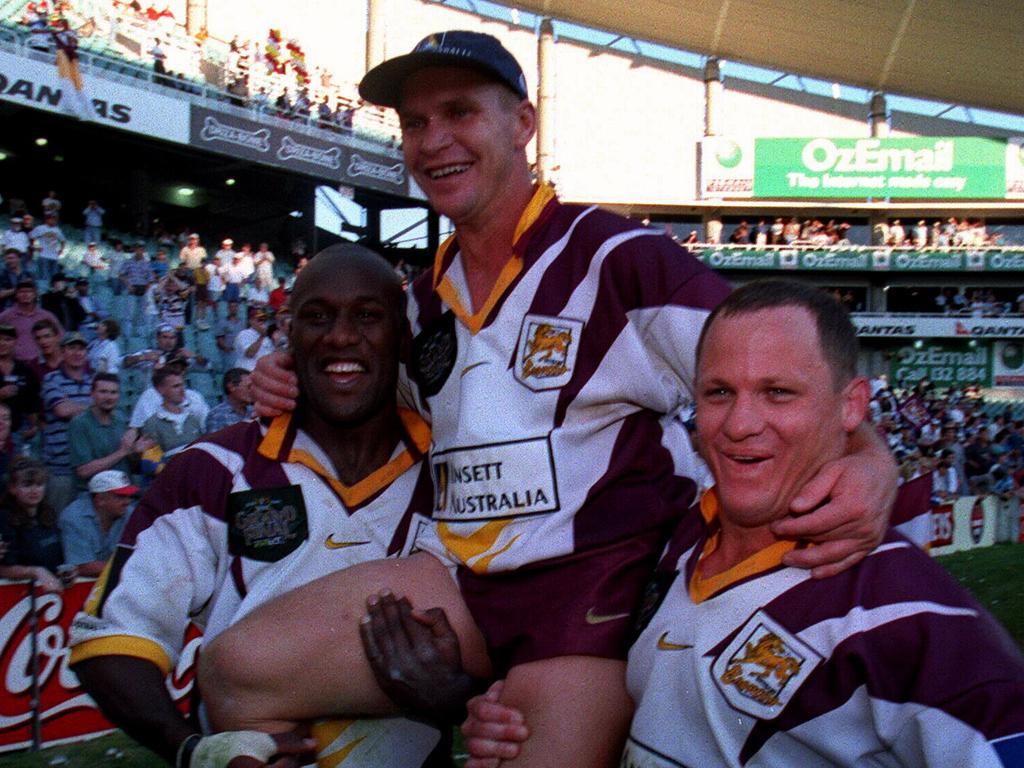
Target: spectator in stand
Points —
{"points": [[920, 239], [160, 264], [171, 299], [136, 276], [7, 451], [227, 331], [12, 274], [91, 525], [19, 387], [99, 437], [978, 460], [247, 261], [945, 483], [115, 263], [66, 392], [23, 316], [50, 243], [173, 426], [104, 353], [93, 259], [233, 275], [16, 238], [264, 267], [254, 341], [159, 63], [92, 307], [51, 206], [226, 253], [279, 296], [28, 528], [237, 404], [62, 303], [168, 347], [324, 113], [93, 217], [47, 335], [897, 235], [149, 401], [214, 285], [193, 255]]}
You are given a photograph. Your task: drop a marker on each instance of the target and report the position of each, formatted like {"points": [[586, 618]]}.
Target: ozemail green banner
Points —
{"points": [[921, 168], [947, 364], [863, 259]]}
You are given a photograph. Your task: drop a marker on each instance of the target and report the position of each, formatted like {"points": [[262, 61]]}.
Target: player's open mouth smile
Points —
{"points": [[342, 372], [747, 459], [448, 170]]}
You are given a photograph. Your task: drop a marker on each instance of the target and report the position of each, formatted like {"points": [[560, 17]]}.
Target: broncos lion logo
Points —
{"points": [[769, 653], [546, 351]]}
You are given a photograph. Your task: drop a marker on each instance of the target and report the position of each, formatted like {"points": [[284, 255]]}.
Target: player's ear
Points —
{"points": [[855, 397], [526, 123]]}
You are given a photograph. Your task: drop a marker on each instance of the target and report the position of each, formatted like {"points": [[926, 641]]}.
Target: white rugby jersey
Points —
{"points": [[551, 406], [240, 517], [887, 664]]}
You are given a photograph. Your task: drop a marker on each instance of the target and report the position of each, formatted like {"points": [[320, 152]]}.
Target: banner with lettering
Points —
{"points": [[66, 712], [943, 364], [861, 258], [919, 167], [272, 143]]}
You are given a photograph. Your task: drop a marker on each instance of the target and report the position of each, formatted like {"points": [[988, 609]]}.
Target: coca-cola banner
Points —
{"points": [[65, 711], [273, 143]]}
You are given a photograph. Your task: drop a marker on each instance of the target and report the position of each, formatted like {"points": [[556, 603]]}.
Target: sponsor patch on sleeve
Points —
{"points": [[433, 354], [491, 482], [763, 667], [266, 524]]}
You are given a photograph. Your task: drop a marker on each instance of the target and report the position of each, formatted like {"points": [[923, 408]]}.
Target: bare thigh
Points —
{"points": [[577, 708], [299, 656]]}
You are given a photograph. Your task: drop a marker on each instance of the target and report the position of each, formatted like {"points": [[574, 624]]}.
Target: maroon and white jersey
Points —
{"points": [[243, 516], [889, 663], [552, 405]]}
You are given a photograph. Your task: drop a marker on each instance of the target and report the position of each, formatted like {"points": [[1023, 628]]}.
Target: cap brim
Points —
{"points": [[128, 490], [382, 85]]}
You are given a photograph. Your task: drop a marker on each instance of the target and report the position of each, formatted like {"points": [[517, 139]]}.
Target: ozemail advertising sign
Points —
{"points": [[35, 84], [65, 711], [263, 142], [928, 168], [943, 364], [861, 259], [941, 327]]}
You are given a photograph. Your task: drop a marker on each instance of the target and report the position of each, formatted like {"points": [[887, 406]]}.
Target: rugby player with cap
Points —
{"points": [[552, 345], [260, 508], [742, 661]]}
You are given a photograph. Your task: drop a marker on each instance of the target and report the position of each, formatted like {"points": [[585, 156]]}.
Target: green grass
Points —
{"points": [[995, 575]]}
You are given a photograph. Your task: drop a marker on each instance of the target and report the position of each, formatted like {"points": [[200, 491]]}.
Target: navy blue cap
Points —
{"points": [[455, 48]]}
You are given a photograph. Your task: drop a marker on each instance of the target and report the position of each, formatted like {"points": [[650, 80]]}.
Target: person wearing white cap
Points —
{"points": [[192, 255], [91, 525]]}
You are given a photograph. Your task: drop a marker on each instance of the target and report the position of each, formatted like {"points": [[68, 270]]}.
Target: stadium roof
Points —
{"points": [[959, 53]]}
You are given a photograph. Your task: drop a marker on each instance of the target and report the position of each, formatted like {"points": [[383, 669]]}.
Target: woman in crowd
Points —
{"points": [[104, 353], [28, 528]]}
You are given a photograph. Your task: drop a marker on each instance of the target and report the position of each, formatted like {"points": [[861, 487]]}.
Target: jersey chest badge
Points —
{"points": [[433, 354], [266, 524], [763, 667], [546, 351]]}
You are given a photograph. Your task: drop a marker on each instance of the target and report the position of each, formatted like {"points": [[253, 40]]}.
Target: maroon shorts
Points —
{"points": [[579, 604]]}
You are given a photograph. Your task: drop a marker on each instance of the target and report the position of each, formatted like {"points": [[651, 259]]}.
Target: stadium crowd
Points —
{"points": [[969, 448], [112, 360]]}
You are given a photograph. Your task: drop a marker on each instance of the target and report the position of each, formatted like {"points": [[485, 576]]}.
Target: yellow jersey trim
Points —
{"points": [[122, 645], [449, 294], [701, 588]]}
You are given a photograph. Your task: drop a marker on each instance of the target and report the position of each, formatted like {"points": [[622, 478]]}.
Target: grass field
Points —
{"points": [[995, 575]]}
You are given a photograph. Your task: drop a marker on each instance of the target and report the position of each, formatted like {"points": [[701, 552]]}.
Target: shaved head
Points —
{"points": [[348, 258]]}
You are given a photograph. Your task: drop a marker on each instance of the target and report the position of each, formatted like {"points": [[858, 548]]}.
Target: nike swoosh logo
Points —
{"points": [[665, 645], [330, 543], [470, 367], [597, 618]]}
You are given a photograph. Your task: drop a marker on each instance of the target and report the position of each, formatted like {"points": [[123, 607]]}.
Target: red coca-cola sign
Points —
{"points": [[943, 525], [66, 712]]}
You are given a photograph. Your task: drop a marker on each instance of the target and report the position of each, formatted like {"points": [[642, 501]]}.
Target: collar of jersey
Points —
{"points": [[768, 558], [445, 288], [278, 445]]}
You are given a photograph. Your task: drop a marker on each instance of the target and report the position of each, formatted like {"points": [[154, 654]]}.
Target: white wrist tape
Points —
{"points": [[218, 750]]}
